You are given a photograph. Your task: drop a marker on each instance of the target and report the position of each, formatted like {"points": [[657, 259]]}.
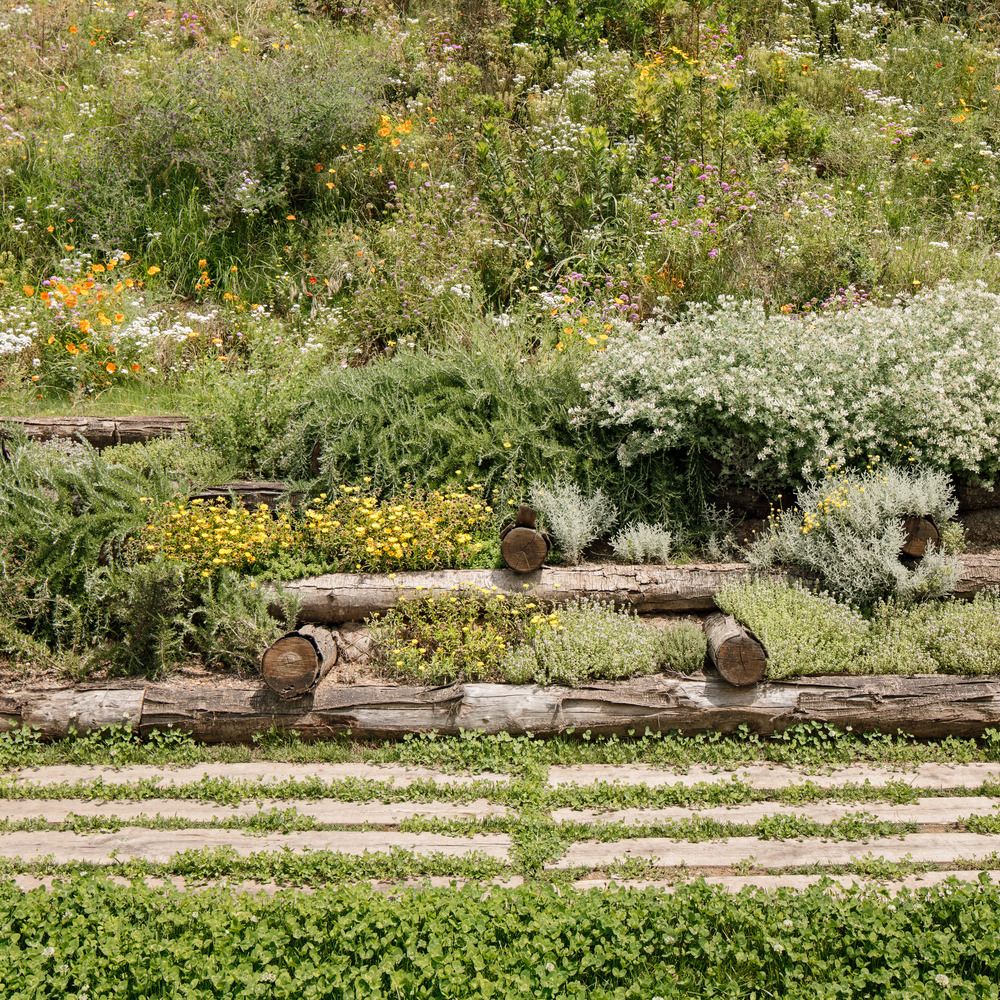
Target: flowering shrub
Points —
{"points": [[353, 530], [774, 398]]}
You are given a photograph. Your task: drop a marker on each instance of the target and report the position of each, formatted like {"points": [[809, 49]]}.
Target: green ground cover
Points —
{"points": [[132, 941]]}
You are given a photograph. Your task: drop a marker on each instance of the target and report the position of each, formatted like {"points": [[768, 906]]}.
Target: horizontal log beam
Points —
{"points": [[101, 432], [925, 706], [342, 597], [339, 597], [250, 493]]}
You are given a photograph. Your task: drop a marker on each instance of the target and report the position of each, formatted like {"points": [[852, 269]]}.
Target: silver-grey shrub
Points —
{"points": [[774, 398], [641, 542], [848, 531], [575, 520], [591, 640]]}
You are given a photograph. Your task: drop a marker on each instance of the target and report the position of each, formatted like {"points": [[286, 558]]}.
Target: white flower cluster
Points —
{"points": [[774, 396], [18, 328]]}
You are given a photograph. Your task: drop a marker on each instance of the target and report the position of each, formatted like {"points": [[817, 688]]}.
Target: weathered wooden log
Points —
{"points": [[338, 597], [252, 494], [919, 531], [101, 432], [54, 714], [979, 571], [645, 589], [738, 655], [294, 664], [928, 707]]}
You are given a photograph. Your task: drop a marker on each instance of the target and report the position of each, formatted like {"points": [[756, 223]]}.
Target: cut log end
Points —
{"points": [[734, 651], [919, 531], [296, 663], [524, 549]]}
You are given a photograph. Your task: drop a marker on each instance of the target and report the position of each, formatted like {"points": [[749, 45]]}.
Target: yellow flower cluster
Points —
{"points": [[352, 530], [415, 530], [208, 536], [837, 498]]}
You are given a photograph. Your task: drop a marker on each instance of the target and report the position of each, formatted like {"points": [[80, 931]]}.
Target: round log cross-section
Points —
{"points": [[524, 549], [297, 662], [734, 651], [919, 531]]}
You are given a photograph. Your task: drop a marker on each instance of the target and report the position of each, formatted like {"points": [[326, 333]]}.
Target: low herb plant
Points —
{"points": [[583, 640], [812, 633], [804, 632]]}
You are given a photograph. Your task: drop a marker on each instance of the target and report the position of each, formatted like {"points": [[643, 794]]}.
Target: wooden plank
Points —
{"points": [[771, 883], [161, 845], [329, 811], [935, 848], [934, 811], [936, 777], [259, 773], [98, 431]]}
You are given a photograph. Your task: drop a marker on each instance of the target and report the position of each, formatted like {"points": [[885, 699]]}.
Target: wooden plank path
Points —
{"points": [[609, 824]]}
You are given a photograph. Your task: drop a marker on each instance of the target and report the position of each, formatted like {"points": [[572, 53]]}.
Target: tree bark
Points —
{"points": [[294, 664], [925, 706], [734, 651], [252, 494], [99, 431], [523, 549], [645, 589]]}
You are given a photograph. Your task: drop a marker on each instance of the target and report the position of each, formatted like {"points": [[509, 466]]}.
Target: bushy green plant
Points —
{"points": [[424, 417], [803, 632], [576, 520], [641, 542], [848, 530], [584, 640], [177, 458], [552, 940], [787, 129]]}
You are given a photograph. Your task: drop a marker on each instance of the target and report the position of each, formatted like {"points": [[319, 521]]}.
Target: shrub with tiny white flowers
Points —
{"points": [[777, 397]]}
